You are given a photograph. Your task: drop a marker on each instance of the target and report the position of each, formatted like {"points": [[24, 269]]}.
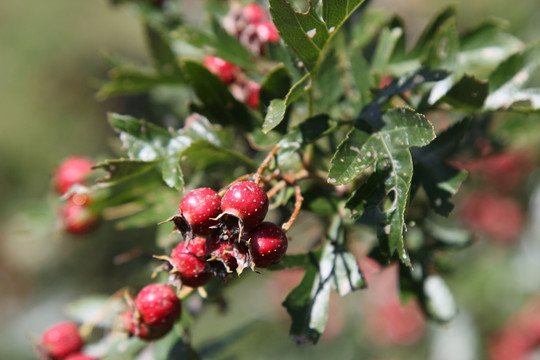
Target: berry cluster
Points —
{"points": [[76, 216], [243, 89], [224, 234], [62, 342], [252, 25]]}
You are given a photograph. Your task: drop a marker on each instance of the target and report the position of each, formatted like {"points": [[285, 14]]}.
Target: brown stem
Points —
{"points": [[297, 203], [265, 163]]}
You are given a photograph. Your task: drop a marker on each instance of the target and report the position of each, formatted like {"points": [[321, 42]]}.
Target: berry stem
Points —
{"points": [[265, 163]]}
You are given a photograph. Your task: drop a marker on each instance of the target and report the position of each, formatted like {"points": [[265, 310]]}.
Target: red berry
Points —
{"points": [[76, 217], [143, 330], [200, 207], [223, 69], [189, 263], [73, 170], [158, 304], [267, 244], [254, 90], [61, 340], [80, 356], [267, 32], [254, 13], [247, 201]]}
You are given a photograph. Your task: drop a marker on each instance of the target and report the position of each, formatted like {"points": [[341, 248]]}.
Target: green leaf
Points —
{"points": [[360, 150], [163, 56], [388, 39], [440, 180], [293, 261], [172, 172], [442, 53], [484, 47], [431, 31], [372, 112], [506, 83], [128, 79], [386, 153], [361, 75], [468, 92], [120, 169], [204, 154], [276, 84], [277, 108], [307, 33], [368, 26], [329, 86], [333, 267], [299, 304], [143, 140], [303, 134], [218, 103], [147, 142]]}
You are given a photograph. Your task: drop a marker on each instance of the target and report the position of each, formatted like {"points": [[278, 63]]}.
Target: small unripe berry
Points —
{"points": [[158, 304], [199, 208], [189, 263], [226, 71], [73, 170], [267, 244], [247, 201], [62, 340]]}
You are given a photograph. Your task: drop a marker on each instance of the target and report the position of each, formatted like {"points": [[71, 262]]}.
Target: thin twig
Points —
{"points": [[265, 163]]}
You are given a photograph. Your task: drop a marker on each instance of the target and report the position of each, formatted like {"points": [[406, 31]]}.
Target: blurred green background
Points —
{"points": [[51, 54]]}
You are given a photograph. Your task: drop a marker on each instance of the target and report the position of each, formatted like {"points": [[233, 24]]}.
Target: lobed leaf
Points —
{"points": [[386, 154], [506, 83]]}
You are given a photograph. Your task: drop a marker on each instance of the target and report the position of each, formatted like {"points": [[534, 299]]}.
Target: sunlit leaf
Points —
{"points": [[120, 169]]}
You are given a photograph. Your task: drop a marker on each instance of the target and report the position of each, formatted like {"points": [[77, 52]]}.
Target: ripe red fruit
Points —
{"points": [[77, 218], [142, 330], [61, 340], [267, 244], [200, 207], [254, 13], [254, 91], [247, 201], [267, 32], [158, 304], [79, 356], [226, 71], [189, 263], [73, 170]]}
